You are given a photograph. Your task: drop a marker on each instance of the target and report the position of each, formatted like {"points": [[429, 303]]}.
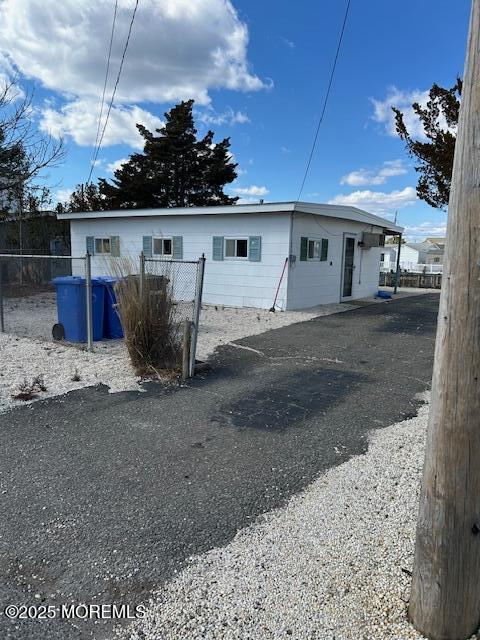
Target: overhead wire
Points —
{"points": [[104, 88], [325, 102], [127, 41]]}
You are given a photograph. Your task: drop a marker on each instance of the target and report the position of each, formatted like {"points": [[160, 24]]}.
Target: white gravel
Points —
{"points": [[329, 565], [27, 350]]}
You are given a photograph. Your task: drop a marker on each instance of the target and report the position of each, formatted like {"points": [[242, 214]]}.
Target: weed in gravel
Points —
{"points": [[76, 376], [38, 383], [30, 390]]}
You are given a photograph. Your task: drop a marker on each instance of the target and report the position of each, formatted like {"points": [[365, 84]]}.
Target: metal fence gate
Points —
{"points": [[184, 279], [28, 302]]}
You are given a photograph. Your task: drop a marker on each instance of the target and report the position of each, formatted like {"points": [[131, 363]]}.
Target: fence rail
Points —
{"points": [[413, 267]]}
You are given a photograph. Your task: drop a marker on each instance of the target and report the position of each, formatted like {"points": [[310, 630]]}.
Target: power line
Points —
{"points": [[114, 88], [327, 95], [104, 87]]}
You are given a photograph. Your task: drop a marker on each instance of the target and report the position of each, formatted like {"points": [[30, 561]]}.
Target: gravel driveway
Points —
{"points": [[105, 497]]}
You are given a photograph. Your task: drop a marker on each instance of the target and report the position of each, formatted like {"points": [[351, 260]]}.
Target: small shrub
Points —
{"points": [[152, 334], [30, 390], [38, 383]]}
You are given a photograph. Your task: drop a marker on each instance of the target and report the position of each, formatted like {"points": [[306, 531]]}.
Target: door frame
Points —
{"points": [[342, 273]]}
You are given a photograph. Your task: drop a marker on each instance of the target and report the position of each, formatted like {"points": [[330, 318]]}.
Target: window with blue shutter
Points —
{"points": [[90, 242], [217, 248], [255, 248], [147, 246], [177, 247]]}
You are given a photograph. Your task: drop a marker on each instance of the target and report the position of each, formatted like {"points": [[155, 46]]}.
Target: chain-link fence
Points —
{"points": [[28, 305], [28, 296], [183, 281]]}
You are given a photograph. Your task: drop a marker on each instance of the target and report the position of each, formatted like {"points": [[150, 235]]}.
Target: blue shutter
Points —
{"points": [[217, 248], [115, 246], [90, 245], [147, 246], [324, 254], [303, 248], [177, 247], [255, 248]]}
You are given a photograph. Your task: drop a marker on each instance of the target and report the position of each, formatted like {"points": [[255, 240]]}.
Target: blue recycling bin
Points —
{"points": [[71, 307], [112, 327]]}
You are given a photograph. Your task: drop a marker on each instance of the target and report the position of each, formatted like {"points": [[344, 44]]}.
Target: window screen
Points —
{"points": [[236, 248], [102, 245], [162, 246]]}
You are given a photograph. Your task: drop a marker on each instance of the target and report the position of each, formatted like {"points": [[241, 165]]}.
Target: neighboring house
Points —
{"points": [[416, 256], [332, 251], [388, 258]]}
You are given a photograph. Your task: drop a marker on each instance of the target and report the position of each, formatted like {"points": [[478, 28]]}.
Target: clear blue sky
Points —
{"points": [[258, 71]]}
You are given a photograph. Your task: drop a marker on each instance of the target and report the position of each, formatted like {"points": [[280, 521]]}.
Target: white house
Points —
{"points": [[414, 256], [332, 252]]}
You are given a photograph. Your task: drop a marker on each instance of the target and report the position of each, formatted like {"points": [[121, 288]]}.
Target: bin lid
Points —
{"points": [[109, 279], [77, 281]]}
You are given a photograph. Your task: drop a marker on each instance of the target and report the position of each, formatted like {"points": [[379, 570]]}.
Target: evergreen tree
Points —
{"points": [[174, 170], [86, 197], [439, 119]]}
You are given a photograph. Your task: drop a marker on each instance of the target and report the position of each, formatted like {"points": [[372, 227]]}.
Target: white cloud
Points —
{"points": [[179, 49], [229, 116], [62, 195], [78, 120], [364, 177], [426, 229], [252, 190], [403, 100], [378, 202], [289, 43], [117, 164]]}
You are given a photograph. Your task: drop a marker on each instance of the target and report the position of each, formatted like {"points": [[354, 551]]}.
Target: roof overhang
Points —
{"points": [[326, 210]]}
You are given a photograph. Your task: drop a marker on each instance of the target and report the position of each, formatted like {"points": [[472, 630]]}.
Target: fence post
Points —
{"points": [[2, 321], [142, 273], [88, 293], [397, 270], [187, 346], [196, 313]]}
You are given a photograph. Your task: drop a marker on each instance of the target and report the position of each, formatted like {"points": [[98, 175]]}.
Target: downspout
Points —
{"points": [[290, 249]]}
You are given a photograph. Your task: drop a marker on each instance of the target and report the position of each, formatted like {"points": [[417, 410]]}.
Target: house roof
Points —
{"points": [[426, 247], [327, 210]]}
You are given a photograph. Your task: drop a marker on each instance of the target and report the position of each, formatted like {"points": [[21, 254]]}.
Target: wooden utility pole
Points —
{"points": [[445, 598]]}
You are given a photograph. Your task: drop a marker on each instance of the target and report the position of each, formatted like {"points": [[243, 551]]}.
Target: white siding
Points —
{"points": [[228, 282], [313, 282]]}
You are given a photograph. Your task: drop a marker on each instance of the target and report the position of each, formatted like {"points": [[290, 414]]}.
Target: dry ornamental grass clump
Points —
{"points": [[152, 334]]}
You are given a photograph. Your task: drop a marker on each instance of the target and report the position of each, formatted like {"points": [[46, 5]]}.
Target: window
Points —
{"points": [[103, 246], [436, 259], [236, 248], [314, 249], [382, 257], [162, 246]]}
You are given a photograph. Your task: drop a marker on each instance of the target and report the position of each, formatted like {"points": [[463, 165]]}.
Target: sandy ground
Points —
{"points": [[27, 350], [333, 563]]}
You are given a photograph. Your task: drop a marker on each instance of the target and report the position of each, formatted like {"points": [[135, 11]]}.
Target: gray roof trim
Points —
{"points": [[327, 210]]}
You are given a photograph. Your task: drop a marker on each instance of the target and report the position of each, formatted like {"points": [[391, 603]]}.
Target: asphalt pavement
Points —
{"points": [[105, 496]]}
